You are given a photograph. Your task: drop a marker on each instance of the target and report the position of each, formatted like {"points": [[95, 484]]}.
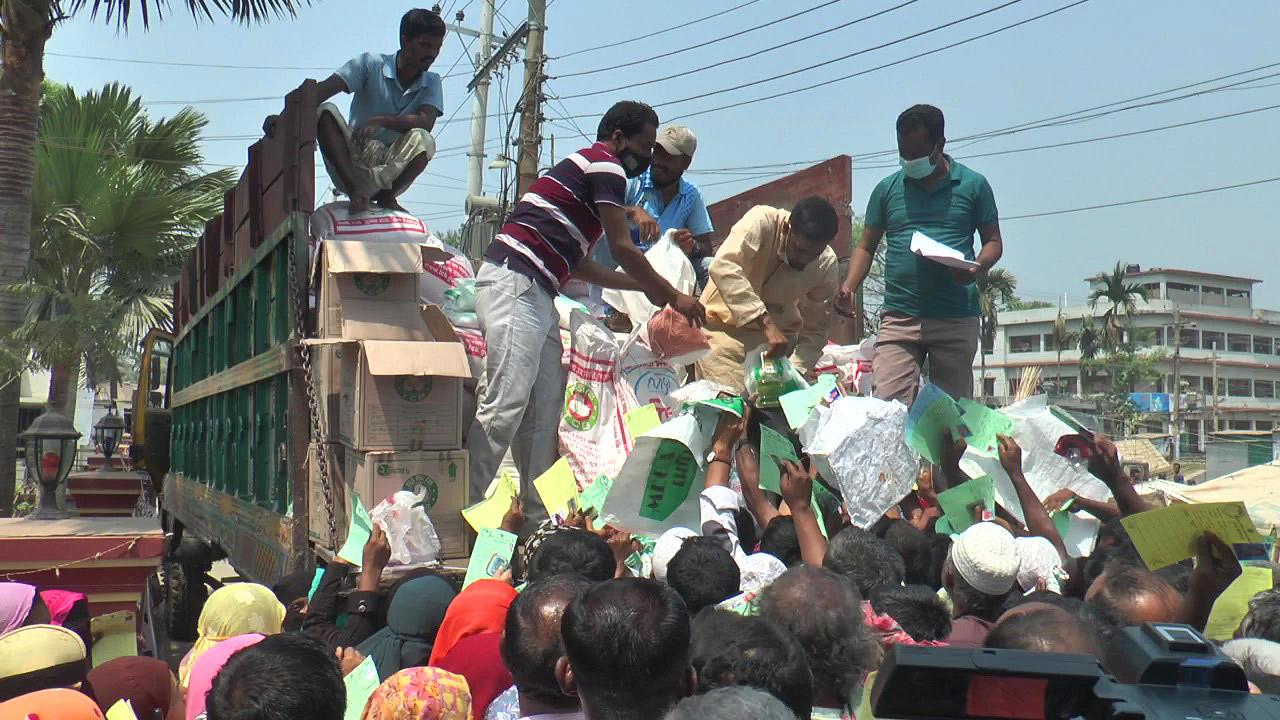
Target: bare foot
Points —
{"points": [[387, 201], [357, 204]]}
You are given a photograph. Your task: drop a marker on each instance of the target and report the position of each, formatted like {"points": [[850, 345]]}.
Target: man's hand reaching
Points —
{"points": [[690, 308], [777, 342], [684, 240]]}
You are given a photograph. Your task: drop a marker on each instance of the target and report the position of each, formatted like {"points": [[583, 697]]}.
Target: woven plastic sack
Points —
{"points": [[674, 340], [592, 437]]}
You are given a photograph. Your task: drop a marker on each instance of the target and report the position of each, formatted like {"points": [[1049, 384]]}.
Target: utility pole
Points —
{"points": [[531, 100], [1214, 413], [480, 106], [1176, 419]]}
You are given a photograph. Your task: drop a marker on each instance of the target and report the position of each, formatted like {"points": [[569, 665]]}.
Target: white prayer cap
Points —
{"points": [[668, 544], [759, 571], [1038, 559], [986, 557]]}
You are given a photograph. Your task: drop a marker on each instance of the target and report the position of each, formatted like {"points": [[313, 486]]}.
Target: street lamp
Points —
{"points": [[50, 451], [107, 434]]}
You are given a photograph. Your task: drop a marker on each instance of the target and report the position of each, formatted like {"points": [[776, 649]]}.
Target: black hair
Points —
{"points": [[968, 600], [629, 116], [1263, 618], [815, 219], [927, 117], [422, 22], [917, 608], [291, 590], [732, 703], [730, 649], [1048, 629], [283, 677], [865, 559], [912, 546], [1108, 556], [572, 552], [780, 541], [1178, 575], [627, 641], [746, 522], [531, 642], [824, 612], [939, 548], [703, 572]]}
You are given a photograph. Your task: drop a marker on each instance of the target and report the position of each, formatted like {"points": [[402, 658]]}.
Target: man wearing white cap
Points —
{"points": [[981, 569]]}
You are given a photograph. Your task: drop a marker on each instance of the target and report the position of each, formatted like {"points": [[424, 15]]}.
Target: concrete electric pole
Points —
{"points": [[480, 106], [531, 100]]}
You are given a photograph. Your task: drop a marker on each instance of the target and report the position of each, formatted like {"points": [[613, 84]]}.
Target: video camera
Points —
{"points": [[1158, 670]]}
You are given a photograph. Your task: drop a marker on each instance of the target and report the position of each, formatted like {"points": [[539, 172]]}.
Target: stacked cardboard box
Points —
{"points": [[390, 375]]}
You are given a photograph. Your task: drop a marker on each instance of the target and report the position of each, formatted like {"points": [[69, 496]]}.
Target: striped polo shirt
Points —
{"points": [[555, 224]]}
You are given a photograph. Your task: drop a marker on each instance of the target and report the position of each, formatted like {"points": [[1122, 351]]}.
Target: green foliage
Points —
{"points": [[1126, 368], [995, 293], [118, 202], [121, 12], [1019, 304], [1122, 298]]}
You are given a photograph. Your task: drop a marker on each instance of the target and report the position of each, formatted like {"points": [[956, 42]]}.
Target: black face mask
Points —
{"points": [[633, 164]]}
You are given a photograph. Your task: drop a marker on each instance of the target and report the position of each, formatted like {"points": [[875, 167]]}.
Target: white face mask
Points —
{"points": [[919, 168]]}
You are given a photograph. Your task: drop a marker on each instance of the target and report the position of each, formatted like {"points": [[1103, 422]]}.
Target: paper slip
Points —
{"points": [[594, 496], [361, 683], [558, 489], [957, 503], [1168, 535], [115, 635], [488, 513], [931, 416], [984, 424], [797, 405], [122, 710], [641, 420], [774, 446], [1232, 605], [361, 528], [930, 249], [491, 555]]}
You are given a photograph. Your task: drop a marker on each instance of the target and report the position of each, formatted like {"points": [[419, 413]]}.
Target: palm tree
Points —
{"points": [[995, 291], [118, 202], [1089, 342], [1122, 296], [1062, 339], [25, 27]]}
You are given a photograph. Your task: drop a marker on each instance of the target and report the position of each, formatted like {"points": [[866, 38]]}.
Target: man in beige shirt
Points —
{"points": [[772, 284]]}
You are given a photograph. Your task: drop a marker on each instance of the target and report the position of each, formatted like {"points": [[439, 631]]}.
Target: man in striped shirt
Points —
{"points": [[546, 241]]}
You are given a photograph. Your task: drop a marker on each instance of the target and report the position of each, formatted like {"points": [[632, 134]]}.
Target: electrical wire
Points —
{"points": [[655, 33], [671, 53], [137, 61], [1140, 200]]}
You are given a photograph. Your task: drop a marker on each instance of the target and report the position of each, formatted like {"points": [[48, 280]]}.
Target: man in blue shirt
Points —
{"points": [[386, 143], [661, 200]]}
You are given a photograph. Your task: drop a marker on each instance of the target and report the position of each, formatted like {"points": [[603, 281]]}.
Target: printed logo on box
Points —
{"points": [[372, 284], [581, 407], [430, 492], [413, 388]]}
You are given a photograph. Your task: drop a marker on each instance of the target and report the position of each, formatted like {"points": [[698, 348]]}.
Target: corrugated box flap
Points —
{"points": [[398, 357], [372, 257], [374, 320]]}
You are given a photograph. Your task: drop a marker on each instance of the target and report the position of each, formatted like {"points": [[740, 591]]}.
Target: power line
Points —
{"points": [[655, 33], [753, 54], [1141, 200], [137, 61], [687, 48], [874, 69]]}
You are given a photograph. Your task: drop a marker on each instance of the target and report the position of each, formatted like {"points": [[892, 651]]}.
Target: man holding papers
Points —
{"points": [[929, 211]]}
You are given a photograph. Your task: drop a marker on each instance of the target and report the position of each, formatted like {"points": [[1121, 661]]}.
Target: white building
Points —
{"points": [[1222, 333]]}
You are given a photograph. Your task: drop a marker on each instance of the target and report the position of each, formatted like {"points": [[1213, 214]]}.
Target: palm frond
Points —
{"points": [[121, 12]]}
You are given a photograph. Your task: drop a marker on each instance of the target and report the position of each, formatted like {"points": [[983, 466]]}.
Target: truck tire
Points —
{"points": [[184, 593]]}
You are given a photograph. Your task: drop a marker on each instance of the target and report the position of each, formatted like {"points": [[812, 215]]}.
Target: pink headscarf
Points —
{"points": [[15, 604], [889, 633], [60, 603], [207, 667]]}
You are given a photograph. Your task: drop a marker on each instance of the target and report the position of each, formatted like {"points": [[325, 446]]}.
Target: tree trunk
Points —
{"points": [[26, 28], [63, 388]]}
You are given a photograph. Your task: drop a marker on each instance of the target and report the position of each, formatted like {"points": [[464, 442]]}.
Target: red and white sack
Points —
{"points": [[442, 275], [332, 222], [650, 378], [476, 348], [592, 437], [850, 363], [674, 339]]}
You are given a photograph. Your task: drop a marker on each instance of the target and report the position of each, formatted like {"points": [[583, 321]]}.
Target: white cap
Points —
{"points": [[668, 544], [986, 557], [759, 570], [1038, 559]]}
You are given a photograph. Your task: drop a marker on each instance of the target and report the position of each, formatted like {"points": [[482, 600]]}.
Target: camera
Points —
{"points": [[1156, 670]]}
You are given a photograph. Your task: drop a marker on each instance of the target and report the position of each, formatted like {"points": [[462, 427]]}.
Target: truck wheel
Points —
{"points": [[184, 593]]}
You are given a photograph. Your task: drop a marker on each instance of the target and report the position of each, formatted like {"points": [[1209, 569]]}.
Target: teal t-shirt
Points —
{"points": [[950, 214]]}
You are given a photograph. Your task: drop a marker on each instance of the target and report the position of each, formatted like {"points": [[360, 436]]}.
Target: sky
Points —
{"points": [[1098, 52]]}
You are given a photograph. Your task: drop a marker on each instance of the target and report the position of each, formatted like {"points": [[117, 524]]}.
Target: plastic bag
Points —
{"points": [[410, 532], [592, 437], [459, 305], [671, 263], [670, 336], [443, 275], [851, 364], [768, 380]]}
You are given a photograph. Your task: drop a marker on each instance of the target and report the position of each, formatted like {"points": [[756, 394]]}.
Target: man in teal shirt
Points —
{"points": [[930, 310]]}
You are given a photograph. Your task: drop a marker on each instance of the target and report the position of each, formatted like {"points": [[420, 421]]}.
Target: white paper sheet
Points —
{"points": [[927, 247]]}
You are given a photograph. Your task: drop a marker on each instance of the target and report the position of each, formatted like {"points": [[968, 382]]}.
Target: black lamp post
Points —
{"points": [[106, 435], [50, 452]]}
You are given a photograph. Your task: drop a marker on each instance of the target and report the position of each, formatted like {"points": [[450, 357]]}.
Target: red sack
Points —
{"points": [[672, 338]]}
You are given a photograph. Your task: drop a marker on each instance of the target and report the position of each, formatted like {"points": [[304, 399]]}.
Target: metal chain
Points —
{"points": [[297, 299]]}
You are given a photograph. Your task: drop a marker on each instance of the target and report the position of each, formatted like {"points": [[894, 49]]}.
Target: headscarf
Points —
{"points": [[207, 668], [59, 704], [480, 608], [145, 682], [420, 693], [413, 619], [60, 603], [15, 604], [40, 657], [1039, 560], [232, 610], [479, 661]]}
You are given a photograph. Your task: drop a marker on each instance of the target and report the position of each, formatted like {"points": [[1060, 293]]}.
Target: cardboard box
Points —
{"points": [[317, 517], [369, 291], [441, 478]]}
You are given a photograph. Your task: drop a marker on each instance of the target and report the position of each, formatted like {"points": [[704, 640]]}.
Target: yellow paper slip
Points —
{"points": [[488, 513], [122, 710], [641, 420], [115, 635], [1168, 535], [558, 489], [1232, 605]]}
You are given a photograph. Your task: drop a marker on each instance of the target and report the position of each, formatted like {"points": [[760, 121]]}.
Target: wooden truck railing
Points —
{"points": [[240, 423]]}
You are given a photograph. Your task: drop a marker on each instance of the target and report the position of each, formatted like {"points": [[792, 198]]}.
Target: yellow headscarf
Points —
{"points": [[38, 657], [232, 610]]}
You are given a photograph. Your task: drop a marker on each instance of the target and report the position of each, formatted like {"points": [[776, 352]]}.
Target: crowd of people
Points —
{"points": [[754, 614]]}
